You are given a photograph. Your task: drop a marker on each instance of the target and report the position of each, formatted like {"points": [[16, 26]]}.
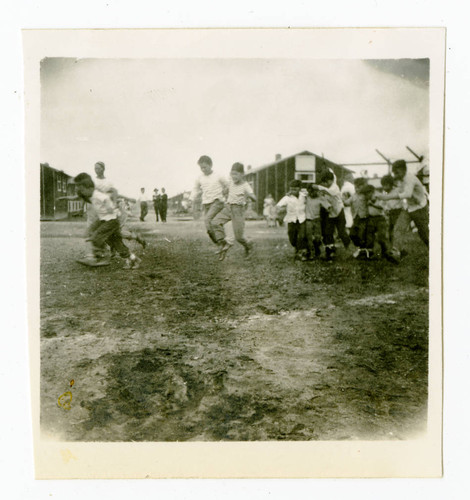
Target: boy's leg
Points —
{"points": [[292, 230], [101, 236], [301, 246], [421, 219], [392, 221], [340, 223], [238, 224], [132, 261], [218, 223], [309, 236], [328, 236], [210, 211], [316, 234]]}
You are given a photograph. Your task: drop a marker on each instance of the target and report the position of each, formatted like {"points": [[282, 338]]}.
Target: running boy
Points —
{"points": [[107, 230], [377, 224], [393, 207], [360, 214], [336, 218], [213, 189], [239, 191], [313, 205], [411, 190], [294, 201]]}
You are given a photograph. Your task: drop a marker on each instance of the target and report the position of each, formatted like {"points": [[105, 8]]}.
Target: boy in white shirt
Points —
{"points": [[107, 229], [239, 191], [336, 218], [313, 205], [213, 189], [411, 190], [294, 201]]}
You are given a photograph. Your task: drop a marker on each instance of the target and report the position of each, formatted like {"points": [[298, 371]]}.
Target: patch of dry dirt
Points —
{"points": [[190, 348]]}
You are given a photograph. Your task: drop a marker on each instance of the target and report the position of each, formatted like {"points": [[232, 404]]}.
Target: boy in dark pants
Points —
{"points": [[336, 218], [411, 190], [393, 207], [294, 202], [107, 229], [314, 203]]}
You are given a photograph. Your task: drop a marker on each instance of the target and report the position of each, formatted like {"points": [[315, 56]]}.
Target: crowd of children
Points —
{"points": [[315, 215]]}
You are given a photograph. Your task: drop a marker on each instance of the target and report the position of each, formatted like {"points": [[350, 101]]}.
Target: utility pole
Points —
{"points": [[419, 158], [389, 163]]}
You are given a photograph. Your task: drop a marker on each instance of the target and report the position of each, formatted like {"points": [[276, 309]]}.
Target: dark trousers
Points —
{"points": [[163, 210], [377, 231], [358, 231], [296, 234], [313, 236], [143, 210], [392, 221], [421, 219], [156, 207], [339, 223], [108, 233]]}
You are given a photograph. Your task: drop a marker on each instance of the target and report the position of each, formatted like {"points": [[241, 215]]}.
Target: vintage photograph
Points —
{"points": [[234, 249]]}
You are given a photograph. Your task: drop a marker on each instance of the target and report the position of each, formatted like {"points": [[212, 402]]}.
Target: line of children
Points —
{"points": [[374, 215]]}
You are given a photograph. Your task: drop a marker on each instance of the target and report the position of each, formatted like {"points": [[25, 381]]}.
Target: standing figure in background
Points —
{"points": [[142, 200], [269, 210], [156, 203], [163, 205], [213, 189]]}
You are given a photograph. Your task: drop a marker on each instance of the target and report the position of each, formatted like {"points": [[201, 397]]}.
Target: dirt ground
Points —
{"points": [[188, 348]]}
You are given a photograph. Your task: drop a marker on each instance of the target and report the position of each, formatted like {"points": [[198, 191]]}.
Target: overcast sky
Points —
{"points": [[150, 120]]}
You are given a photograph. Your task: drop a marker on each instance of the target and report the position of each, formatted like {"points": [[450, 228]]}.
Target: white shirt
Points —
{"points": [[348, 190], [103, 185], [335, 199], [295, 207], [212, 187], [411, 190], [102, 206], [142, 198], [237, 193]]}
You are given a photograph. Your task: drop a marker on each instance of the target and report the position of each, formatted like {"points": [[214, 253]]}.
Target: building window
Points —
{"points": [[304, 177]]}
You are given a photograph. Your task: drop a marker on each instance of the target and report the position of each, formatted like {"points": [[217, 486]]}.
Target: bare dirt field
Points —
{"points": [[188, 348]]}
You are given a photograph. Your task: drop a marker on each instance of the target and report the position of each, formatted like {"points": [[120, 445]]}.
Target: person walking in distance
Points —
{"points": [[156, 203], [142, 200], [163, 205]]}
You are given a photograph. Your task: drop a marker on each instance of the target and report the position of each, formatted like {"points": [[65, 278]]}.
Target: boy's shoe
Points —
{"points": [[223, 251], [141, 241], [248, 250], [132, 263], [93, 262]]}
